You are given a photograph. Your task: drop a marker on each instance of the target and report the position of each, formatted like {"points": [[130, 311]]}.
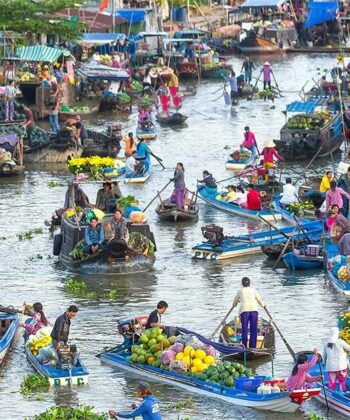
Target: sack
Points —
{"points": [[227, 98]]}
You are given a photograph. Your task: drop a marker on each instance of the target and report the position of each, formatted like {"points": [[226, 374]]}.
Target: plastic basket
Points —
{"points": [[249, 384]]}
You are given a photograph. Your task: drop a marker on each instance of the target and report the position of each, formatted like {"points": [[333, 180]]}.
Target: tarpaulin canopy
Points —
{"points": [[40, 53], [96, 38], [304, 107], [142, 35], [262, 3], [320, 11], [11, 139], [132, 15], [93, 72]]}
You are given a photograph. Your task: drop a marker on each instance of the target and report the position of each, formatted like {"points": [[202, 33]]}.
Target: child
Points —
{"points": [[299, 373], [38, 319]]}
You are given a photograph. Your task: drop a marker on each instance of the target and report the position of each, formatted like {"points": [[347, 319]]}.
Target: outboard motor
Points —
{"points": [[130, 327], [214, 234], [67, 356]]}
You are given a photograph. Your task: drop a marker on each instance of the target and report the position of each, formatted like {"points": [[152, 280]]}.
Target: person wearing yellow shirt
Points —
{"points": [[326, 182], [230, 196]]}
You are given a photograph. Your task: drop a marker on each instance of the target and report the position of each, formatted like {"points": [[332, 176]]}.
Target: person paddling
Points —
{"points": [[249, 140], [148, 409], [300, 377], [269, 152]]}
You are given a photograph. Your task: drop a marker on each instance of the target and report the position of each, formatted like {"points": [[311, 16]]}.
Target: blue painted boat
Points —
{"points": [[78, 375], [209, 196], [238, 165], [332, 273], [286, 214], [139, 178], [297, 261], [285, 402], [146, 133], [8, 327], [251, 244]]}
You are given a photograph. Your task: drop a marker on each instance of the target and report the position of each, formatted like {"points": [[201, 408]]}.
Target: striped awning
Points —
{"points": [[40, 53]]}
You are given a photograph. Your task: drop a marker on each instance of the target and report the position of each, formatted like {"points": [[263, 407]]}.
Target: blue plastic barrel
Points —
{"points": [[182, 14], [174, 14]]}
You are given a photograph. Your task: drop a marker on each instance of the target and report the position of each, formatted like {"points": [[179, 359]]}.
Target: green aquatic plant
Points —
{"points": [[53, 184], [29, 234], [314, 416], [34, 383], [83, 412], [79, 288], [112, 294], [180, 405]]}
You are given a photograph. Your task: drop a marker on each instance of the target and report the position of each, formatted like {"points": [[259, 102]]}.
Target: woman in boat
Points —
{"points": [[146, 81], [326, 182], [106, 197], [120, 229], [208, 180], [269, 153], [249, 140], [240, 197], [267, 73], [335, 196], [148, 409], [300, 377], [38, 319], [129, 144], [164, 99], [249, 300], [230, 196], [94, 238], [180, 187], [336, 359], [143, 154], [253, 198], [248, 67], [340, 222]]}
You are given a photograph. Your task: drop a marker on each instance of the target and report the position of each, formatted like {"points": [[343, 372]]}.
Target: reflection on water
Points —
{"points": [[199, 293]]}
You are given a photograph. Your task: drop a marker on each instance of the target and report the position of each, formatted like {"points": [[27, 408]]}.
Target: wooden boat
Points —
{"points": [[146, 132], [78, 375], [217, 72], [305, 143], [210, 198], [332, 274], [8, 326], [100, 144], [274, 251], [11, 163], [172, 119], [265, 343], [52, 152], [327, 49], [298, 259], [222, 247], [258, 45], [66, 115], [285, 402], [238, 165], [167, 210], [118, 257]]}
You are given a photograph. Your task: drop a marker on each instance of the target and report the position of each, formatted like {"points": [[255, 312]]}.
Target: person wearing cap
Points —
{"points": [[249, 140], [267, 72], [249, 300], [336, 359], [335, 196], [269, 153], [148, 409]]}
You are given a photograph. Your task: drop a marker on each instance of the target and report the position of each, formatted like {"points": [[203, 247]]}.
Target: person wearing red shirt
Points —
{"points": [[253, 198], [269, 153]]}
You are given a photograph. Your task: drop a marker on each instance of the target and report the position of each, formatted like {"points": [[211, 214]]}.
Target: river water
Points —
{"points": [[199, 293]]}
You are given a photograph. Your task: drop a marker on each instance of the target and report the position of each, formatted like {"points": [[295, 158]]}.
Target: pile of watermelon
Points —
{"points": [[18, 114]]}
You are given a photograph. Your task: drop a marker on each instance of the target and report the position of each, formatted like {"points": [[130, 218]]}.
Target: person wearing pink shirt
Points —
{"points": [[335, 196], [249, 139], [300, 377], [267, 72]]}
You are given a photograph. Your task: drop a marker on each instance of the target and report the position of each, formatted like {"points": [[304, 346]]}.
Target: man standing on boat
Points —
{"points": [[248, 67], [249, 300], [148, 409], [60, 331], [155, 317]]}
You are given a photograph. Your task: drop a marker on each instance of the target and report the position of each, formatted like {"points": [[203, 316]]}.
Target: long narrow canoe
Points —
{"points": [[280, 402], [238, 165], [286, 214], [8, 327], [60, 377], [210, 198], [251, 244]]}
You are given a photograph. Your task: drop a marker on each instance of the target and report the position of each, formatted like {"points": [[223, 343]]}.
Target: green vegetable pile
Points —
{"points": [[123, 98], [66, 108], [15, 129], [309, 121], [34, 383], [128, 201], [298, 208], [146, 100], [136, 86], [69, 413], [141, 243], [39, 136], [265, 93], [77, 253]]}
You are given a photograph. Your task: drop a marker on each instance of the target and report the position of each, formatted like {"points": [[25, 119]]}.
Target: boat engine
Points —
{"points": [[130, 327], [67, 356], [214, 234]]}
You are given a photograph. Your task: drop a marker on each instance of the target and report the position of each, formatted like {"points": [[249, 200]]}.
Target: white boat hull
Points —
{"points": [[218, 256], [137, 180]]}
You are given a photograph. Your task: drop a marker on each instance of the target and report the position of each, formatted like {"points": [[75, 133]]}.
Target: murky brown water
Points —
{"points": [[199, 293]]}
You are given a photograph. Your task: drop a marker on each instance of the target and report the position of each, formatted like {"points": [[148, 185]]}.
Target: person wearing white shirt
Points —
{"points": [[249, 300], [289, 193], [130, 163]]}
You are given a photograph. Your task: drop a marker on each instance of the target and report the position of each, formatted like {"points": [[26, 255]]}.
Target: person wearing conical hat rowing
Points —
{"points": [[267, 73], [269, 154]]}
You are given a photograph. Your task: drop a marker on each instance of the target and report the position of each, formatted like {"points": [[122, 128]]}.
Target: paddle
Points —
{"points": [[156, 157], [284, 249], [274, 227], [221, 323], [323, 385], [302, 229], [158, 192], [281, 335], [274, 78], [107, 350], [238, 175]]}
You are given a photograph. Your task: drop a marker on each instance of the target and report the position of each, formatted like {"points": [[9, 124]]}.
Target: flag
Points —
{"points": [[103, 5]]}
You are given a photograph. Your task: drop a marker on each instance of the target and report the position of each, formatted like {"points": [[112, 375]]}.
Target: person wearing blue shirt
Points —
{"points": [[143, 154], [94, 238], [148, 409]]}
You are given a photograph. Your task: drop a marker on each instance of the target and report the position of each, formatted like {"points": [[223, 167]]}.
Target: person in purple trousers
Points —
{"points": [[180, 187], [249, 300]]}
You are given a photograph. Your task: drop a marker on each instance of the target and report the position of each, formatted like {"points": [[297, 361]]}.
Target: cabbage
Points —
{"points": [[178, 366], [177, 347], [168, 356], [209, 350]]}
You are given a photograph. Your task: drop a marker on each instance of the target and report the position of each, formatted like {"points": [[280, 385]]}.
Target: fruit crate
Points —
{"points": [[249, 384]]}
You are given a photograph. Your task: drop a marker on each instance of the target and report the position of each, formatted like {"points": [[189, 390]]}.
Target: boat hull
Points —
{"points": [[174, 215], [238, 165], [138, 179], [48, 155], [11, 323], [297, 262], [340, 286]]}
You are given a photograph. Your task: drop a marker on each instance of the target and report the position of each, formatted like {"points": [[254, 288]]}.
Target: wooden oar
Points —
{"points": [[291, 351], [156, 157], [221, 323], [10, 310], [279, 91], [158, 192], [238, 175], [323, 385], [302, 229], [284, 249], [273, 226]]}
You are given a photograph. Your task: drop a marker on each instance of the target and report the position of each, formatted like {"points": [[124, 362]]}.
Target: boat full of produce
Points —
{"points": [[190, 361], [220, 247], [337, 270], [67, 112], [239, 159], [11, 151], [65, 369]]}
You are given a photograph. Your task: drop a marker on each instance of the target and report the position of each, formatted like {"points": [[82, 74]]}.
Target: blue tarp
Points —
{"points": [[100, 38], [262, 3], [304, 107], [320, 11], [132, 15]]}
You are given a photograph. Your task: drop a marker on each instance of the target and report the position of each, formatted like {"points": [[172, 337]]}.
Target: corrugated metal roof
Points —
{"points": [[305, 107], [39, 53], [263, 3]]}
